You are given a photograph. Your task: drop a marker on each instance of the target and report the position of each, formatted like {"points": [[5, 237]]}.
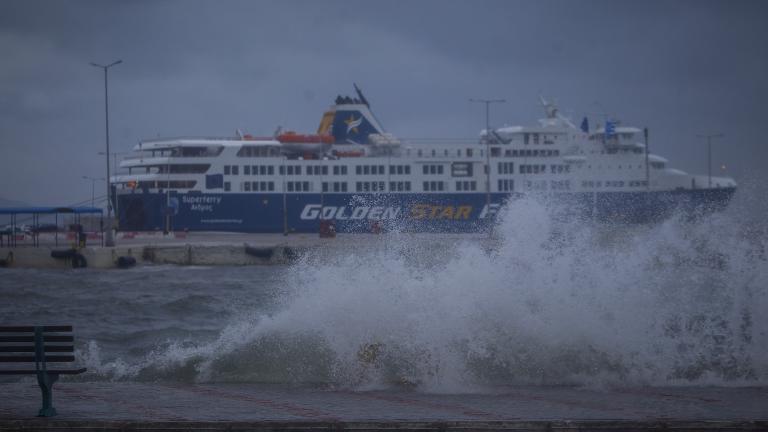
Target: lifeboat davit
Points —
{"points": [[343, 154]]}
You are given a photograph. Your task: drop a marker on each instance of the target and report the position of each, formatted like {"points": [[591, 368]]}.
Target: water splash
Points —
{"points": [[544, 302]]}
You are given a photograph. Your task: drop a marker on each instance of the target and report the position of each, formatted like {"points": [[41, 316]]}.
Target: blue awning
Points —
{"points": [[49, 210]]}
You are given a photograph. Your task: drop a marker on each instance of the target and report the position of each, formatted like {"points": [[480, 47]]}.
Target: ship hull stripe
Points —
{"points": [[454, 212]]}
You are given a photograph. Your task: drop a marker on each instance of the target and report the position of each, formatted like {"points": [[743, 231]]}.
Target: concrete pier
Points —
{"points": [[204, 248], [260, 407]]}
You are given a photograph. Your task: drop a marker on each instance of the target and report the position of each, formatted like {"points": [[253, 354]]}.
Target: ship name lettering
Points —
{"points": [[428, 211], [313, 211], [201, 203], [186, 199]]}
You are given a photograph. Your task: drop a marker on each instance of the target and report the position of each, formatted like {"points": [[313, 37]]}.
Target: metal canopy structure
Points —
{"points": [[14, 212]]}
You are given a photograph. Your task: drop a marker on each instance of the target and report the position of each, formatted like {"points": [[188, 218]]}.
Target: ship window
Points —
{"points": [[297, 169], [407, 186], [335, 170], [445, 152], [381, 169], [469, 152], [495, 152], [305, 186], [407, 169], [226, 170], [344, 170], [526, 138], [227, 186], [324, 170], [458, 185], [434, 153], [271, 186], [458, 152], [247, 170], [290, 169], [290, 186], [418, 153], [535, 138], [247, 186], [366, 169], [235, 170]]}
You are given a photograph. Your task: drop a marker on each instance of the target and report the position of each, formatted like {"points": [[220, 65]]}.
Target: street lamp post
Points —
{"points": [[487, 103], [109, 240], [709, 154]]}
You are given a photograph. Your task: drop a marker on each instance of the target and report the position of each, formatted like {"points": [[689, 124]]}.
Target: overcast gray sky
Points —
{"points": [[210, 67]]}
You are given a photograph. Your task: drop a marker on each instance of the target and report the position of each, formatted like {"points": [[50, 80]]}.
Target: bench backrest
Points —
{"points": [[38, 344]]}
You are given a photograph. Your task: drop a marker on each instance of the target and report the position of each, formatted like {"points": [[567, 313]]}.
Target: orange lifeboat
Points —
{"points": [[293, 137]]}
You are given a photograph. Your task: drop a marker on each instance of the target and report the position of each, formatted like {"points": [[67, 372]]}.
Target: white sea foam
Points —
{"points": [[548, 302]]}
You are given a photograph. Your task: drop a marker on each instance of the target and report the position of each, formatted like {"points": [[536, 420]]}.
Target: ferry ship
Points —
{"points": [[355, 175]]}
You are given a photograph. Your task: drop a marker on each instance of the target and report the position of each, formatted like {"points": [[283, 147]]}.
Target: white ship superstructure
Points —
{"points": [[355, 174]]}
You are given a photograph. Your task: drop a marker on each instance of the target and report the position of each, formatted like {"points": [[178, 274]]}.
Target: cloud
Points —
{"points": [[207, 68]]}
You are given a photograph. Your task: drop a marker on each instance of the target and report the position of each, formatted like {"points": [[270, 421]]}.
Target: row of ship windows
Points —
{"points": [[377, 186], [504, 185], [495, 152], [616, 183], [318, 170], [428, 169], [541, 185], [542, 169]]}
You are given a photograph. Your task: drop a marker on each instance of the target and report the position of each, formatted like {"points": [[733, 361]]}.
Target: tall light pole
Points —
{"points": [[93, 188], [709, 153], [487, 103], [109, 240]]}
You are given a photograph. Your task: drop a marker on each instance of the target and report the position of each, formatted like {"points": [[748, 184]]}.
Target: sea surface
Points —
{"points": [[542, 301]]}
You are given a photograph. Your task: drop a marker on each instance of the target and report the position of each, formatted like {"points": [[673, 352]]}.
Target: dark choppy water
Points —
{"points": [[550, 303]]}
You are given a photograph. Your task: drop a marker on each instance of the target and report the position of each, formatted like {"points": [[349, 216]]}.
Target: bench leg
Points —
{"points": [[45, 381]]}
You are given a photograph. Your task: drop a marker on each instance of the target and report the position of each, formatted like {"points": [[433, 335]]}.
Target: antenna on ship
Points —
{"points": [[549, 107], [360, 94], [553, 112]]}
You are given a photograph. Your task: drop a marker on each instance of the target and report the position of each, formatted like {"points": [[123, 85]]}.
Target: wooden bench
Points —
{"points": [[40, 345]]}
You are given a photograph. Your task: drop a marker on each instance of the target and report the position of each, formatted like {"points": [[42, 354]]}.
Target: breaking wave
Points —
{"points": [[542, 302]]}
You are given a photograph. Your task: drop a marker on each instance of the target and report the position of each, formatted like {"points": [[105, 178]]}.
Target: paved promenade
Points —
{"points": [[155, 406]]}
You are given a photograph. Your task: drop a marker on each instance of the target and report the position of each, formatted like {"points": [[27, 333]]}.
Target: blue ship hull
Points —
{"points": [[454, 212]]}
